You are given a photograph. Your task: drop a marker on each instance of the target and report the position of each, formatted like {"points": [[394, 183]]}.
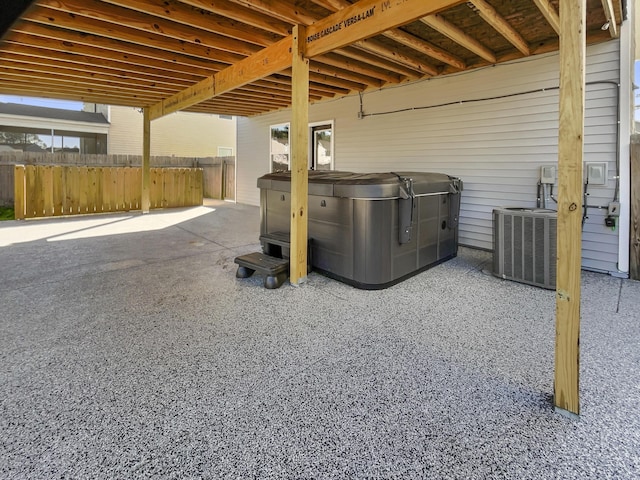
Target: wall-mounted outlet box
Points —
{"points": [[548, 174], [614, 209], [597, 173]]}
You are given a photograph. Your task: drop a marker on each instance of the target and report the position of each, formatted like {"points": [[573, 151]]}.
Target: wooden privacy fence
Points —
{"points": [[218, 172], [219, 177], [52, 190]]}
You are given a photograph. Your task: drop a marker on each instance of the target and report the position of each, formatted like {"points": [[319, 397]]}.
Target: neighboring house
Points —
{"points": [[182, 134], [39, 129], [114, 130], [494, 128]]}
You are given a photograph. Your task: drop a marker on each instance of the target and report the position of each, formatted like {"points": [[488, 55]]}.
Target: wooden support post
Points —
{"points": [[299, 157], [145, 200], [570, 190]]}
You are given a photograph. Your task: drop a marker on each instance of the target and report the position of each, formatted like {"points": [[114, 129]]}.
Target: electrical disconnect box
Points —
{"points": [[597, 173], [614, 209], [548, 174]]}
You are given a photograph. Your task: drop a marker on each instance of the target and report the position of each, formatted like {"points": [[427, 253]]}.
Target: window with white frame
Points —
{"points": [[279, 147], [320, 146], [225, 152]]}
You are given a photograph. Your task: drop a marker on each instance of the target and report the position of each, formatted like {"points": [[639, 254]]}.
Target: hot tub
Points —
{"points": [[369, 230]]}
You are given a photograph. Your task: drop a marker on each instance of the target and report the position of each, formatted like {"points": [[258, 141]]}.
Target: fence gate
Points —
{"points": [[219, 175]]}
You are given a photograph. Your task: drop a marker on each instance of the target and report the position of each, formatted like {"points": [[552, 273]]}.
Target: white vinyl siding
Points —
{"points": [[496, 146], [181, 134]]}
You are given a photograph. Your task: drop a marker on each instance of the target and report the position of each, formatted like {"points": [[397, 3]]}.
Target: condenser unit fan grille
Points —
{"points": [[524, 245]]}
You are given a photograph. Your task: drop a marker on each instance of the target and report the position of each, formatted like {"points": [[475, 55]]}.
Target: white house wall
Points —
{"points": [[495, 145], [53, 123], [182, 134]]}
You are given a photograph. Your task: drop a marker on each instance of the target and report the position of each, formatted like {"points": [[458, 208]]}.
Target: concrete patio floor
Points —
{"points": [[130, 350]]}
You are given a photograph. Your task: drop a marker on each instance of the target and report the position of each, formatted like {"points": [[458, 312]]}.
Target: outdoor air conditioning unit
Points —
{"points": [[524, 245]]}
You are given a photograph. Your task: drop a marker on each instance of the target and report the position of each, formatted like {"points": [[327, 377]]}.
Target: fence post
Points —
{"points": [[223, 177], [18, 192]]}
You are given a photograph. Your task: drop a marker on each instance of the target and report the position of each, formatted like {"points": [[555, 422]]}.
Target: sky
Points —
{"points": [[41, 102]]}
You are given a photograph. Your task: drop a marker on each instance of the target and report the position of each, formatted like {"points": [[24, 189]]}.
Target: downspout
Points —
{"points": [[624, 128]]}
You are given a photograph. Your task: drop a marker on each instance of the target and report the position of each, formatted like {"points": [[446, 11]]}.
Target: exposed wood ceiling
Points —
{"points": [[139, 52]]}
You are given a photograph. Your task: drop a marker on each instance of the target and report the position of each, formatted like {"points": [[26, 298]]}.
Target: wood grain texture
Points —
{"points": [[365, 19], [299, 158], [19, 192], [145, 201], [570, 194]]}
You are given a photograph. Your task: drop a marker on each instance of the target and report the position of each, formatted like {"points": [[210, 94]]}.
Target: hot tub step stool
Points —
{"points": [[277, 245], [275, 270]]}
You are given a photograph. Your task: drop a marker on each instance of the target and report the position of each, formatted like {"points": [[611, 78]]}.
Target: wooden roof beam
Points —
{"points": [[361, 55], [365, 19], [270, 60], [342, 74], [493, 18], [13, 84], [446, 28], [322, 37], [403, 37], [104, 29], [610, 14], [419, 68], [365, 70], [293, 14], [32, 73], [244, 92], [332, 5], [226, 109], [10, 60], [77, 42], [549, 13], [285, 86], [321, 88], [94, 11], [243, 15], [88, 63], [425, 47], [176, 11], [268, 103]]}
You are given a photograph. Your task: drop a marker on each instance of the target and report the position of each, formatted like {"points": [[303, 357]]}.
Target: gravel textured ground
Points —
{"points": [[130, 350]]}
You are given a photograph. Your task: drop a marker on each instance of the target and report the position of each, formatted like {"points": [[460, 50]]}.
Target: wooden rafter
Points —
{"points": [[363, 69], [141, 52], [131, 35], [365, 57], [403, 37], [293, 14], [493, 18], [339, 73], [418, 66], [446, 28], [367, 22], [425, 47], [549, 13], [610, 14], [158, 27], [176, 11], [78, 42]]}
